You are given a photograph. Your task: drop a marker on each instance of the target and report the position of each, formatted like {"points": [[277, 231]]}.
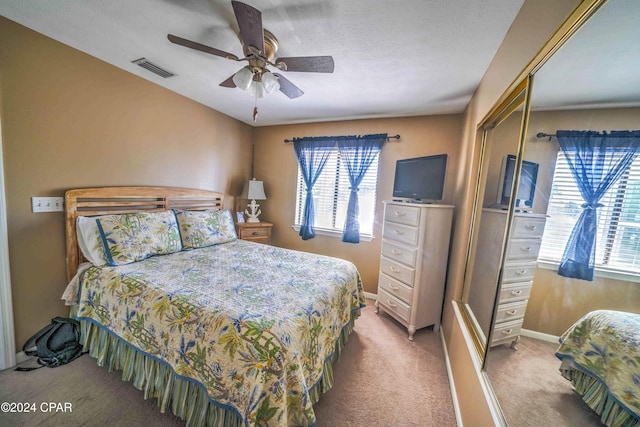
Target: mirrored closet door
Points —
{"points": [[590, 83]]}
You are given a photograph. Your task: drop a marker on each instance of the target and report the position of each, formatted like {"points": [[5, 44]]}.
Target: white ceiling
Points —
{"points": [[597, 67], [392, 59]]}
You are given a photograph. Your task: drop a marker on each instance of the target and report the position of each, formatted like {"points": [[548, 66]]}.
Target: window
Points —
{"points": [[618, 235], [331, 197]]}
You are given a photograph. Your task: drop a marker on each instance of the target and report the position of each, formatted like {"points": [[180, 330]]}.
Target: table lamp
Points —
{"points": [[253, 190]]}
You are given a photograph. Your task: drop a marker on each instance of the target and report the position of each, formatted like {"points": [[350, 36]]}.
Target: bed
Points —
{"points": [[600, 355], [221, 331]]}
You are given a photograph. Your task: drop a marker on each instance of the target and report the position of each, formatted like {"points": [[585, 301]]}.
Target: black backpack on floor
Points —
{"points": [[56, 344]]}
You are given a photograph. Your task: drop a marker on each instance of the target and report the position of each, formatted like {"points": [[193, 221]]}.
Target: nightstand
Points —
{"points": [[259, 232]]}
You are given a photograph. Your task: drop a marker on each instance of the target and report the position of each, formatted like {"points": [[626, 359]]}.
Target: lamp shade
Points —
{"points": [[256, 89], [270, 82], [243, 78], [253, 190]]}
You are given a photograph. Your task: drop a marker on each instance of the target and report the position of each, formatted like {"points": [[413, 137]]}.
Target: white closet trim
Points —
{"points": [[7, 335]]}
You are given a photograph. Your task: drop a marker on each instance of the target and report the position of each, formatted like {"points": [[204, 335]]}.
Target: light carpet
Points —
{"points": [[381, 379]]}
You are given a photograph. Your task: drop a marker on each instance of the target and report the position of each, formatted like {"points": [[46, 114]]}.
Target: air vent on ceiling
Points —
{"points": [[146, 64]]}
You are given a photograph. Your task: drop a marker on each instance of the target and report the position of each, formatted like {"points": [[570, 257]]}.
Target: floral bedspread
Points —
{"points": [[252, 323], [605, 344]]}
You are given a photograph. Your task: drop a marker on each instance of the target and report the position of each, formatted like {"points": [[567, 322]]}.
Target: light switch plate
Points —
{"points": [[47, 204]]}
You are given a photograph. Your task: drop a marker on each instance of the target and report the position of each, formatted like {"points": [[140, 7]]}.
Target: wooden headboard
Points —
{"points": [[119, 200]]}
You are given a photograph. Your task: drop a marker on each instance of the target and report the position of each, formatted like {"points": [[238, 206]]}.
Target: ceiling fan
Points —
{"points": [[259, 47]]}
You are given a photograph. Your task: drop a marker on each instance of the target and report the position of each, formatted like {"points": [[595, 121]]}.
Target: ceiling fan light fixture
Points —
{"points": [[270, 82], [243, 79], [256, 89]]}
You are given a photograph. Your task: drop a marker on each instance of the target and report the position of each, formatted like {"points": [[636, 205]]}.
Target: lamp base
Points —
{"points": [[252, 212]]}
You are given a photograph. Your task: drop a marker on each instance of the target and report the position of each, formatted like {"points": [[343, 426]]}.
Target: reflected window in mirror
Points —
{"points": [[617, 224]]}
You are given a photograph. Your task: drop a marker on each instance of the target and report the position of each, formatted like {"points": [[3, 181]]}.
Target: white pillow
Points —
{"points": [[90, 241]]}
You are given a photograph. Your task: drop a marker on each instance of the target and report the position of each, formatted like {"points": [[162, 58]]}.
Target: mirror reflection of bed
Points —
{"points": [[583, 86]]}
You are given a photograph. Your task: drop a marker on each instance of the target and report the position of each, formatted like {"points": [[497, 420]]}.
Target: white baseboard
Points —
{"points": [[539, 336], [369, 295], [452, 386]]}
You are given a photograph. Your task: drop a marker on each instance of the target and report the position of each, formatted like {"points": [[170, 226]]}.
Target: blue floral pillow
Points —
{"points": [[133, 237], [205, 228]]}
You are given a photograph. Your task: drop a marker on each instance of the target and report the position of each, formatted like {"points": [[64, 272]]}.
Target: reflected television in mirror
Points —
{"points": [[526, 188], [420, 179]]}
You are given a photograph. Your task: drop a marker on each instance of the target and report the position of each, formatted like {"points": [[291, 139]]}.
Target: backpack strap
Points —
{"points": [[21, 369]]}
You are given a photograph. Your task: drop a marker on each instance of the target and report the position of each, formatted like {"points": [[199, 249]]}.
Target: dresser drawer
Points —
{"points": [[523, 249], [401, 233], [254, 233], [511, 311], [395, 288], [520, 272], [394, 305], [397, 271], [506, 331], [524, 226], [409, 215], [514, 292], [399, 253]]}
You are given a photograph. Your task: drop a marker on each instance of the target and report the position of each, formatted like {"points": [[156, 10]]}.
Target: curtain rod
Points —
{"points": [[545, 135], [388, 138]]}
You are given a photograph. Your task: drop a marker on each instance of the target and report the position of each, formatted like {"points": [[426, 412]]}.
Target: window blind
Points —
{"points": [[331, 196], [618, 235]]}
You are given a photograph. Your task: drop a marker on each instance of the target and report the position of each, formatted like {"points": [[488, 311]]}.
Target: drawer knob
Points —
{"points": [[393, 269], [531, 227], [398, 232], [521, 272], [393, 288], [511, 312], [255, 233], [515, 293], [390, 304], [526, 249], [396, 213], [507, 332], [396, 252]]}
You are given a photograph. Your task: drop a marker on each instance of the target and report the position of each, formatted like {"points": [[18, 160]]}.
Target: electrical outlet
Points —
{"points": [[47, 204]]}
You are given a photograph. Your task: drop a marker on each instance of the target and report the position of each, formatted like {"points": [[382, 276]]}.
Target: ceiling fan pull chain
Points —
{"points": [[255, 109]]}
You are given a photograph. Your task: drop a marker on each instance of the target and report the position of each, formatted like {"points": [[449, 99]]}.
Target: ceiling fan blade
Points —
{"points": [[228, 83], [202, 48], [288, 88], [314, 64], [250, 24]]}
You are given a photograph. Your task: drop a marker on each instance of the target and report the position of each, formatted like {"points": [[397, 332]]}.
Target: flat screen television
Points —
{"points": [[420, 179], [527, 187]]}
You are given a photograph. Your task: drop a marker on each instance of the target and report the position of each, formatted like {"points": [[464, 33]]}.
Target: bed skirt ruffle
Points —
{"points": [[597, 397], [186, 398]]}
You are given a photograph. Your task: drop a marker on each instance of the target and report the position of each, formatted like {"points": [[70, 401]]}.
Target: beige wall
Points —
{"points": [[276, 165], [70, 120], [556, 302], [61, 108], [534, 25]]}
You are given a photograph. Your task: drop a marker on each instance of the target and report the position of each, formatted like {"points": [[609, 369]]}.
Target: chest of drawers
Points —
{"points": [[413, 263], [512, 280], [514, 288]]}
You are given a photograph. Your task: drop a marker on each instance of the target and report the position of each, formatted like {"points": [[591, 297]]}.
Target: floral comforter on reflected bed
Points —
{"points": [[254, 324], [605, 345]]}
